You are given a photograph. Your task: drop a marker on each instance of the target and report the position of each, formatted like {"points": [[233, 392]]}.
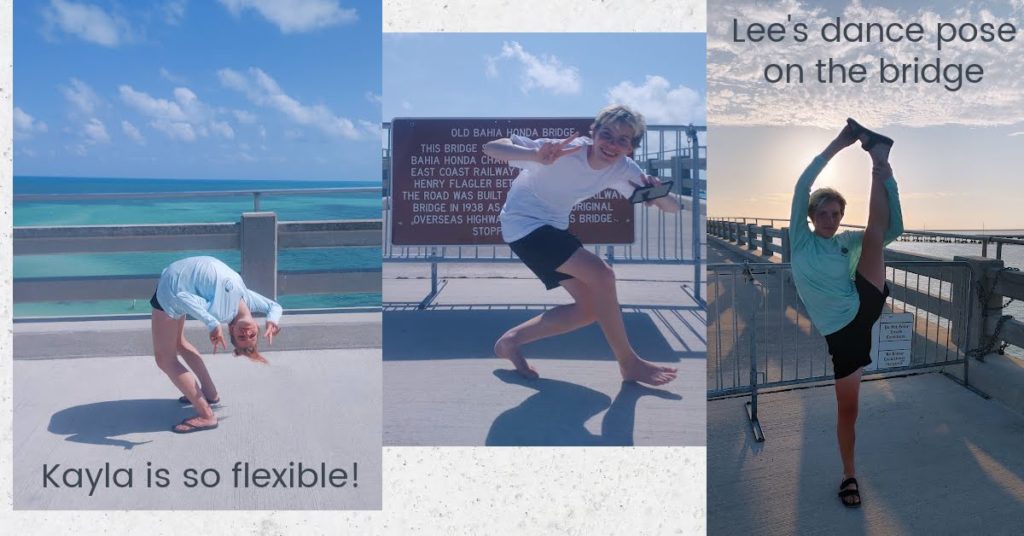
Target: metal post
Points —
{"points": [[755, 424], [256, 201], [695, 197], [434, 287], [259, 252], [785, 245]]}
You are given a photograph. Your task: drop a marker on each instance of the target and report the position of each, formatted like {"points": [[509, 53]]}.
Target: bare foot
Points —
{"points": [[506, 349], [638, 370]]}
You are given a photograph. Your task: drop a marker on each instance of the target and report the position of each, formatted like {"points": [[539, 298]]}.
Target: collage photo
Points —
{"points": [[480, 267]]}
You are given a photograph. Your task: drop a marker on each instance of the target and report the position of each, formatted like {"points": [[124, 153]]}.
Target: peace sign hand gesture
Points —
{"points": [[551, 151]]}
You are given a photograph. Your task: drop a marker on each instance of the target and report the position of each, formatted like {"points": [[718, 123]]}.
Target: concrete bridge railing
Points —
{"points": [[258, 236]]}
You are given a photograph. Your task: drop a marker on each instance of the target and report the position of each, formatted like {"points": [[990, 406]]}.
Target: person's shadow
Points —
{"points": [[555, 416], [100, 423]]}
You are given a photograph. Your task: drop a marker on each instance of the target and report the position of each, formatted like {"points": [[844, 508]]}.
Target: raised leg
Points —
{"points": [[872, 260], [599, 280], [196, 364], [165, 342]]}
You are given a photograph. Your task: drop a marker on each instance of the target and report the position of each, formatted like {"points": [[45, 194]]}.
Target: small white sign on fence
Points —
{"points": [[891, 339]]}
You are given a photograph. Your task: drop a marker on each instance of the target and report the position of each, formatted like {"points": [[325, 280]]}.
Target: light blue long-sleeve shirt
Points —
{"points": [[824, 268], [208, 290]]}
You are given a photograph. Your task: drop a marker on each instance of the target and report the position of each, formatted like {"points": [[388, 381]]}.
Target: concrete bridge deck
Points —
{"points": [[311, 405], [444, 386], [932, 458]]}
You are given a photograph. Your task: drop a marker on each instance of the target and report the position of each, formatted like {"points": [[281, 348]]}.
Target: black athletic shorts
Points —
{"points": [[155, 303], [851, 346], [544, 250]]}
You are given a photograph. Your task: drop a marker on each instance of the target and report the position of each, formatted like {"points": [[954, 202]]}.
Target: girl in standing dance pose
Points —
{"points": [[210, 291], [555, 176], [841, 276]]}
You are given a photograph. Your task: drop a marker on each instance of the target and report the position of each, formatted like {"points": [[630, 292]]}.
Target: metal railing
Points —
{"points": [[759, 334], [789, 348], [763, 233], [257, 236], [672, 152]]}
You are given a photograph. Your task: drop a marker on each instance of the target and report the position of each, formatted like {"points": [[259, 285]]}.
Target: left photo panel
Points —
{"points": [[197, 256]]}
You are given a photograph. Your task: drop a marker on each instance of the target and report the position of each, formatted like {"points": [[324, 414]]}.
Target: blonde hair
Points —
{"points": [[825, 195], [253, 353], [620, 113]]}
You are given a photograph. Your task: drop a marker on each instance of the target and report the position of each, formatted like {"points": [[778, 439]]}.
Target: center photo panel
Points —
{"points": [[544, 222]]}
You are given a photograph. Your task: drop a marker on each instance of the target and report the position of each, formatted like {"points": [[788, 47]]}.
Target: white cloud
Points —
{"points": [[659, 102], [373, 97], [132, 132], [545, 72], [223, 129], [25, 125], [263, 90], [87, 22], [81, 97], [175, 130], [172, 78], [174, 11], [151, 106], [95, 132], [1015, 134], [185, 118], [244, 117], [738, 94], [295, 16]]}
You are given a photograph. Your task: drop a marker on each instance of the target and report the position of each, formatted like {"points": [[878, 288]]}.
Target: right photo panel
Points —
{"points": [[864, 293]]}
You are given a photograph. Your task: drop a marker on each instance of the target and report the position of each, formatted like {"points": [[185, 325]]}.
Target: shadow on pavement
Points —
{"points": [[555, 416], [101, 422], [433, 334]]}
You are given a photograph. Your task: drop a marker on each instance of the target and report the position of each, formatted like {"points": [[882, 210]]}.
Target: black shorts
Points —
{"points": [[851, 346], [544, 250], [156, 304]]}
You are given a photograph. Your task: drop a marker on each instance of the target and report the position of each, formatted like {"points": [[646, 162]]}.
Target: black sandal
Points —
{"points": [[874, 138], [184, 400], [844, 493]]}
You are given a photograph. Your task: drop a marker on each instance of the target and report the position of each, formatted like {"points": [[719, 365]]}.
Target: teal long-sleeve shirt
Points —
{"points": [[824, 268], [208, 290]]}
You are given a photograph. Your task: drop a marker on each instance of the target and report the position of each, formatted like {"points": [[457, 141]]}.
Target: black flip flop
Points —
{"points": [[184, 400], [191, 427], [874, 138], [844, 493]]}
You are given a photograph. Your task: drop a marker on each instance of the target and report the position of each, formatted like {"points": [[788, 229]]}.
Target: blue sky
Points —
{"points": [[559, 75], [258, 89]]}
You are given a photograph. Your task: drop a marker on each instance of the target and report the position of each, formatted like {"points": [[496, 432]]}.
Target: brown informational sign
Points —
{"points": [[446, 191]]}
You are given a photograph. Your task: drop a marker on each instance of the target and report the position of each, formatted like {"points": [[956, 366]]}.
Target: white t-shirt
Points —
{"points": [[545, 194]]}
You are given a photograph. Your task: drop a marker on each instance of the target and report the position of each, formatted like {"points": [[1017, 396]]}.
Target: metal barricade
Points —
{"points": [[759, 334]]}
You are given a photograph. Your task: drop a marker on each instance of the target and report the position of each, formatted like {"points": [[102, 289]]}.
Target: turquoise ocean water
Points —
{"points": [[300, 207]]}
